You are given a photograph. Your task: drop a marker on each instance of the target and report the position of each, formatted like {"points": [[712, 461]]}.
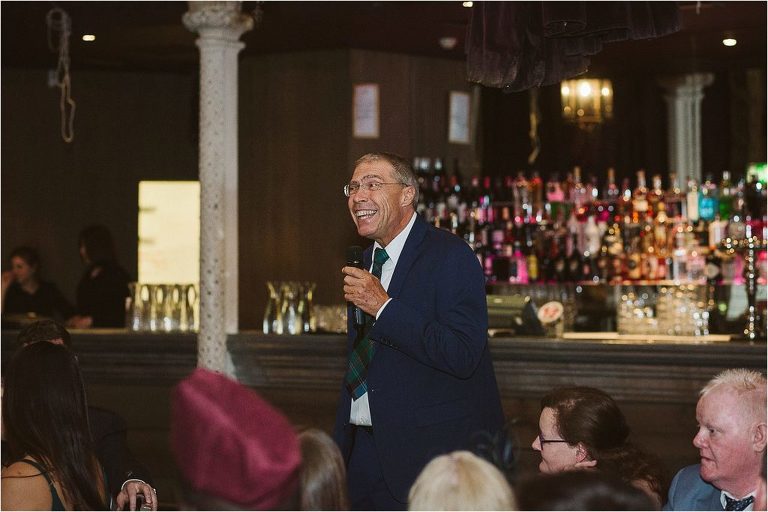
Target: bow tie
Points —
{"points": [[732, 504]]}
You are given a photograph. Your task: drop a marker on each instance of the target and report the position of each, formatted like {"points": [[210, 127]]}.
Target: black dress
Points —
{"points": [[101, 294], [46, 302]]}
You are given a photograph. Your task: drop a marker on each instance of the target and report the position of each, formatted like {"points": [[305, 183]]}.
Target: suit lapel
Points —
{"points": [[408, 256]]}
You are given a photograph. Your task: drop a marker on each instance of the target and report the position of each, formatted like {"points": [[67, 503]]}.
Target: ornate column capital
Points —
{"points": [[217, 19], [690, 84]]}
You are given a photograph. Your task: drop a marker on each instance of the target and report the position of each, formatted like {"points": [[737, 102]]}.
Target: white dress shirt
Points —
{"points": [[360, 412]]}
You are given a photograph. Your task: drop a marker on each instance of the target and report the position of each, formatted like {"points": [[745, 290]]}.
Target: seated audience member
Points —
{"points": [[103, 288], [460, 481], [581, 490], [126, 477], [731, 443], [582, 428], [45, 421], [322, 477], [233, 450], [24, 292]]}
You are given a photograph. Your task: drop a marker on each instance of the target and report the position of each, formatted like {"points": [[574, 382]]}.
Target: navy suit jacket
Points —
{"points": [[689, 492], [431, 383]]}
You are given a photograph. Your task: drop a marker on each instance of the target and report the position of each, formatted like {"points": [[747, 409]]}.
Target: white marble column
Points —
{"points": [[683, 96], [219, 25]]}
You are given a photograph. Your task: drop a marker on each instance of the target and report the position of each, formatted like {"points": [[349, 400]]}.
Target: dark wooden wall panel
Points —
{"points": [[128, 127], [293, 146]]}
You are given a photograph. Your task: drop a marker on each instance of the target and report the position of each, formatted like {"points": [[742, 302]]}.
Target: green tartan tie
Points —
{"points": [[363, 349]]}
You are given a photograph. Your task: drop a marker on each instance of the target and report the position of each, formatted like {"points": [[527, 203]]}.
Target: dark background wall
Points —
{"points": [[128, 127]]}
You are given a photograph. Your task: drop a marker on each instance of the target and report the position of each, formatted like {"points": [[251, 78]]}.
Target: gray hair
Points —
{"points": [[750, 385], [403, 170]]}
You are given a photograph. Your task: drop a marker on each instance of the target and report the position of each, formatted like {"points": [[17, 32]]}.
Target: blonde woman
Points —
{"points": [[461, 481]]}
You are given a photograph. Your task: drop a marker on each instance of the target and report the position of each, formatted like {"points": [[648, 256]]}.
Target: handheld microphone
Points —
{"points": [[355, 259]]}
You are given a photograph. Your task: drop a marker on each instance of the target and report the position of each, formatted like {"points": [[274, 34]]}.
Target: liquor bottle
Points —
{"points": [[573, 264], [612, 243], [591, 236], [555, 198], [568, 186], [579, 191], [624, 209], [519, 268], [755, 196], [692, 200], [674, 199], [530, 252], [611, 193], [679, 270], [521, 197], [661, 230], [559, 259], [537, 196], [639, 198], [593, 192], [737, 224], [725, 202], [632, 270], [712, 266], [656, 194], [707, 200], [546, 265]]}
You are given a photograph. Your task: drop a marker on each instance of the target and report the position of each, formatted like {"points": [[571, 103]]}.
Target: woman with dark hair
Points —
{"points": [[45, 422], [103, 288], [583, 427], [26, 296]]}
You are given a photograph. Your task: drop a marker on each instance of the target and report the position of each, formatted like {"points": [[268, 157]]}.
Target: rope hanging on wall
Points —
{"points": [[59, 29]]}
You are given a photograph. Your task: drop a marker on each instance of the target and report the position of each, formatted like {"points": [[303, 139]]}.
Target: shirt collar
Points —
{"points": [[723, 494], [395, 247]]}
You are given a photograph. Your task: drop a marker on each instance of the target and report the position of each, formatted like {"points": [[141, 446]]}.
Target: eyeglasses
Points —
{"points": [[545, 441], [353, 187]]}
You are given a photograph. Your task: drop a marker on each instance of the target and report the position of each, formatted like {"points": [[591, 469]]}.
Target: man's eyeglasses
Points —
{"points": [[545, 441], [353, 187]]}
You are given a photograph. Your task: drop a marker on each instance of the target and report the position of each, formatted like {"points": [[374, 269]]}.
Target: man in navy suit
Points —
{"points": [[420, 380], [731, 440]]}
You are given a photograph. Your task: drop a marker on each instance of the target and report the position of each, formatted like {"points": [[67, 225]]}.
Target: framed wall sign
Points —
{"points": [[458, 117], [365, 111]]}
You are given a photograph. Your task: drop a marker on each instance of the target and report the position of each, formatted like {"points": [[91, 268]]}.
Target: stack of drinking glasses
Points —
{"points": [[673, 310], [290, 308], [162, 307]]}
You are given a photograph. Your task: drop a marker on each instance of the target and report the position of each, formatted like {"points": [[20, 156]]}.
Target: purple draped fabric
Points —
{"points": [[519, 45]]}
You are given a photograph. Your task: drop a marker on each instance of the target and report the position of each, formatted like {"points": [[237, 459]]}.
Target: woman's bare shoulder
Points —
{"points": [[24, 488]]}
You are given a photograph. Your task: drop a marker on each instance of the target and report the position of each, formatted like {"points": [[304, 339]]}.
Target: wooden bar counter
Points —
{"points": [[656, 383]]}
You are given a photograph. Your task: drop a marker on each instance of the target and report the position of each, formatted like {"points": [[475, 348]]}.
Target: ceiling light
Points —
{"points": [[466, 4], [729, 41], [89, 37]]}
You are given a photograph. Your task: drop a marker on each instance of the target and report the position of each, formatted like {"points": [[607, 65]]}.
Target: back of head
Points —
{"points": [[231, 445], [98, 243], [323, 477], [589, 416], [748, 385], [580, 490], [460, 481], [45, 416], [43, 330]]}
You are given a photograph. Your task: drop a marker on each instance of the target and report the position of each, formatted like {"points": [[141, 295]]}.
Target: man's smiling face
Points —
{"points": [[380, 214]]}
